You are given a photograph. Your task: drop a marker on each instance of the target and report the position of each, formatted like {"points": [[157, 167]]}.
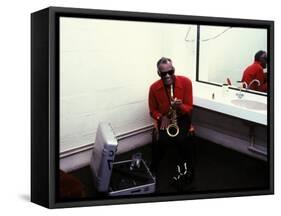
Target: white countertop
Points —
{"points": [[202, 96]]}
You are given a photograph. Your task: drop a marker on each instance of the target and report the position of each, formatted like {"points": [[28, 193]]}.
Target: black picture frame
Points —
{"points": [[45, 103]]}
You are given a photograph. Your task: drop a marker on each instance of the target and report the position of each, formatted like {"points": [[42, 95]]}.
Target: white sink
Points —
{"points": [[250, 104]]}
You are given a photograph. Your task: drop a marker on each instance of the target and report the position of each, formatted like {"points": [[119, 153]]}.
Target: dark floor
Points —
{"points": [[216, 169]]}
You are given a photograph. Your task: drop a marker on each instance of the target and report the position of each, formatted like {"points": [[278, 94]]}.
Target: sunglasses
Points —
{"points": [[170, 72]]}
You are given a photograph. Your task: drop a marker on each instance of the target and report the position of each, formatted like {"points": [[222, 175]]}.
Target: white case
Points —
{"points": [[117, 178]]}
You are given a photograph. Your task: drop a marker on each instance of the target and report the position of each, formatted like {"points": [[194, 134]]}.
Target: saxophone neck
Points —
{"points": [[172, 91]]}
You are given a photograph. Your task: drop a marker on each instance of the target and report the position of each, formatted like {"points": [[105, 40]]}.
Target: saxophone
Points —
{"points": [[173, 128]]}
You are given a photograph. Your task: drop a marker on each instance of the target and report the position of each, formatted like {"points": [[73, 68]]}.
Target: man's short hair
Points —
{"points": [[259, 54], [163, 60]]}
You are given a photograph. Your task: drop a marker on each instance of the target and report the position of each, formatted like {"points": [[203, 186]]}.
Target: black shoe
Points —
{"points": [[183, 177]]}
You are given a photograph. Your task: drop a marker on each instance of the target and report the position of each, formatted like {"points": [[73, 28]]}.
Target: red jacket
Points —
{"points": [[255, 71], [159, 102]]}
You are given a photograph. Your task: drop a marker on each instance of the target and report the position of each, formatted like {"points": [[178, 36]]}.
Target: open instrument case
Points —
{"points": [[127, 177]]}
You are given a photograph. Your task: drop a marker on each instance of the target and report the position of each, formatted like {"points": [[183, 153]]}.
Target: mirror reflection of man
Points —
{"points": [[160, 101], [254, 74]]}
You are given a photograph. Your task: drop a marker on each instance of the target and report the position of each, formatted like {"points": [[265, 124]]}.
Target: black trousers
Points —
{"points": [[182, 145]]}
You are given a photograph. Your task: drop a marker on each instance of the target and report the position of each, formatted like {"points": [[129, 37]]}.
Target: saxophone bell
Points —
{"points": [[173, 130]]}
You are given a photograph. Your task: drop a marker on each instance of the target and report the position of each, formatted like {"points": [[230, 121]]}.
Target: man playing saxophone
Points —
{"points": [[170, 105]]}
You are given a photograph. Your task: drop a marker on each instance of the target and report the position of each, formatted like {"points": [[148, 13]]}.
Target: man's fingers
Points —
{"points": [[178, 101], [164, 125]]}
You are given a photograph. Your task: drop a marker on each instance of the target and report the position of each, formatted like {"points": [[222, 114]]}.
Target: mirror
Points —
{"points": [[224, 54]]}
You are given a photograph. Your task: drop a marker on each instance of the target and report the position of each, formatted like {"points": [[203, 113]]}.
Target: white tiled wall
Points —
{"points": [[106, 68]]}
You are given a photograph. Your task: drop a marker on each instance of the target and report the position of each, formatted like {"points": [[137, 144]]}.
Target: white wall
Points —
{"points": [[106, 68], [228, 55]]}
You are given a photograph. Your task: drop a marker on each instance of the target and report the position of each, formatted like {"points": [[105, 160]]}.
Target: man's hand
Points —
{"points": [[176, 103], [165, 121]]}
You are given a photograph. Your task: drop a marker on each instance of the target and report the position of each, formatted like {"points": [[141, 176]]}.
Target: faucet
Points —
{"points": [[254, 80], [241, 84]]}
